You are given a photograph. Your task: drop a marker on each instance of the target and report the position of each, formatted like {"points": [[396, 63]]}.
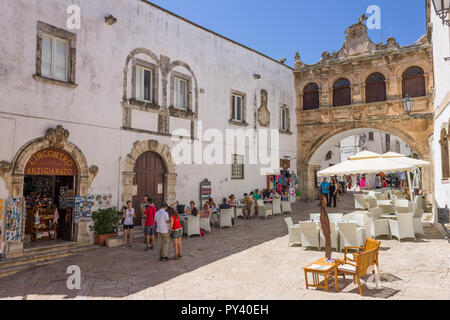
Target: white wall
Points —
{"points": [[92, 112], [441, 50]]}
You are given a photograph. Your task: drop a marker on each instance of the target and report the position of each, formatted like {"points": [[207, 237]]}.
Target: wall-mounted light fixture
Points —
{"points": [[256, 76], [442, 8], [408, 103], [110, 20]]}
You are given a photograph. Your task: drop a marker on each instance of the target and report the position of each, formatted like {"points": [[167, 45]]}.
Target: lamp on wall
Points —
{"points": [[442, 8], [408, 103], [110, 19]]}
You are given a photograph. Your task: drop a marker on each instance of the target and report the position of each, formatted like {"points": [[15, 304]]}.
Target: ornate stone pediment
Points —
{"points": [[58, 137], [357, 40], [263, 111]]}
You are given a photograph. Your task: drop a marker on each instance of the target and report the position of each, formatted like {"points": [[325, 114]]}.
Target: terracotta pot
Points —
{"points": [[100, 239]]}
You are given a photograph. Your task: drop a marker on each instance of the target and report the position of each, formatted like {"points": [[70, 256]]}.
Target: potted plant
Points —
{"points": [[106, 224]]}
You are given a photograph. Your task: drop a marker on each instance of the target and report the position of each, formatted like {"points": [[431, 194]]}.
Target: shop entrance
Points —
{"points": [[49, 191]]}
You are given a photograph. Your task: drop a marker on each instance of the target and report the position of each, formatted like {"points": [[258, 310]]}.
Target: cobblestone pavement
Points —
{"points": [[250, 261]]}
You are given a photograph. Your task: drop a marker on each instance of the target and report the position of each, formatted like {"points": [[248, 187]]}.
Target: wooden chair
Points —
{"points": [[370, 244], [359, 269]]}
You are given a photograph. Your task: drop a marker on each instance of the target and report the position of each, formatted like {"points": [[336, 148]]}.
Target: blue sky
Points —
{"points": [[279, 28]]}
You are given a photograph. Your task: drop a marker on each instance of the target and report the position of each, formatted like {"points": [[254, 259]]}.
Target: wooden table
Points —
{"points": [[316, 273]]}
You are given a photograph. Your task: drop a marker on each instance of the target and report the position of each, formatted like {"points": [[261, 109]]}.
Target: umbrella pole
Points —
{"points": [[411, 192]]}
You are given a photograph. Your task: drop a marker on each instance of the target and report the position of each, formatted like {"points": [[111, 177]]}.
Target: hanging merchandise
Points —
{"points": [[83, 207], [1, 209], [13, 219]]}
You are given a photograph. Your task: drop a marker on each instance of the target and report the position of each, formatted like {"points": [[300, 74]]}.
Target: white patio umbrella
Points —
{"points": [[401, 158], [365, 162]]}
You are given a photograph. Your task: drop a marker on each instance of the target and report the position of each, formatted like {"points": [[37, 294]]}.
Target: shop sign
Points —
{"points": [[51, 162]]}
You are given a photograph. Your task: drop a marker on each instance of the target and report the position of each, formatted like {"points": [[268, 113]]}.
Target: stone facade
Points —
{"points": [[356, 61], [108, 125]]}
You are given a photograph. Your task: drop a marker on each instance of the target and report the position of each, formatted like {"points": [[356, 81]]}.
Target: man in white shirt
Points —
{"points": [[163, 230]]}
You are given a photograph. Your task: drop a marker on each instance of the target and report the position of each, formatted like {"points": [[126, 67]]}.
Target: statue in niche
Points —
{"points": [[263, 111]]}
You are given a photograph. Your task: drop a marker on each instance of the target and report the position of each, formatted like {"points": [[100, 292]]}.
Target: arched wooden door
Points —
{"points": [[149, 178]]}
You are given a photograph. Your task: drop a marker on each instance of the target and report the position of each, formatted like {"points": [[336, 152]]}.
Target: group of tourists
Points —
{"points": [[165, 223], [331, 191]]}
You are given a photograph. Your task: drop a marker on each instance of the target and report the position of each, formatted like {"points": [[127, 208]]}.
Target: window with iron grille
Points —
{"points": [[237, 168], [371, 136]]}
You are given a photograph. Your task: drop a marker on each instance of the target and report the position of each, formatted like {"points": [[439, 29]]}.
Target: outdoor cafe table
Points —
{"points": [[321, 268]]}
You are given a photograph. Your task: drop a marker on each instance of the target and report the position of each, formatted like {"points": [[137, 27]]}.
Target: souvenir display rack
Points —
{"points": [[44, 228], [14, 219]]}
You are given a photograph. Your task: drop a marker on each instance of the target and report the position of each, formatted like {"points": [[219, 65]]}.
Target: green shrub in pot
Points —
{"points": [[106, 221]]}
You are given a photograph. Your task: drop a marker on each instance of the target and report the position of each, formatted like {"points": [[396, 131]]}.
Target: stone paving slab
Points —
{"points": [[250, 261]]}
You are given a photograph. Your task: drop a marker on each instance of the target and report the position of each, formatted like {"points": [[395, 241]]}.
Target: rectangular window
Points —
{"points": [[284, 123], [238, 110], [388, 142], [180, 99], [144, 84], [237, 168], [371, 136], [55, 57]]}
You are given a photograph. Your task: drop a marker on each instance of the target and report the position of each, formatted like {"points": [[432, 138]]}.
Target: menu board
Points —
{"points": [[14, 220], [83, 209]]}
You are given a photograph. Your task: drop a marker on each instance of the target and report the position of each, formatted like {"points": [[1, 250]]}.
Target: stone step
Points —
{"points": [[10, 266], [52, 248]]}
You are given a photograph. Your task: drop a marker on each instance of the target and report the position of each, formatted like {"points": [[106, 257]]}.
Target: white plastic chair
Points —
{"points": [[388, 208], [372, 202], [263, 210], [238, 213], [314, 217], [225, 217], [358, 218], [214, 218], [295, 233], [276, 207], [360, 202], [417, 222], [334, 235], [193, 226], [376, 227], [252, 210], [310, 234], [403, 227], [286, 207], [292, 199], [205, 223], [350, 235]]}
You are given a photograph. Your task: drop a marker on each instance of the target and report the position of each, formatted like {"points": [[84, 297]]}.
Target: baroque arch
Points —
{"points": [[312, 145], [163, 150], [13, 172]]}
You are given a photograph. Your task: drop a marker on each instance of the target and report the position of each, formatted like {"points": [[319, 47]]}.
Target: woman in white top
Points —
{"points": [[128, 225]]}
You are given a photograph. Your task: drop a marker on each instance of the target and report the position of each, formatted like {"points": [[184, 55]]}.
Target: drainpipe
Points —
{"points": [[118, 186]]}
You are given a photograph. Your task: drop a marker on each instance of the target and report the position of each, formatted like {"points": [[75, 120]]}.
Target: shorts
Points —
{"points": [[128, 227], [150, 231], [177, 234]]}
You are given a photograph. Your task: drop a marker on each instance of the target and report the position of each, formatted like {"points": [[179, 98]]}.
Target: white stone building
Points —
{"points": [[440, 138], [120, 88]]}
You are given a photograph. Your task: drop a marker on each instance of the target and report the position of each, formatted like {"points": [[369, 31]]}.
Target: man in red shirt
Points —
{"points": [[149, 230]]}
